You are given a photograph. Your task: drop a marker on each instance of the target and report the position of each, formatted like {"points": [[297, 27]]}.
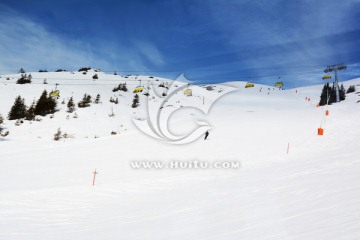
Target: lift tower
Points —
{"points": [[336, 68]]}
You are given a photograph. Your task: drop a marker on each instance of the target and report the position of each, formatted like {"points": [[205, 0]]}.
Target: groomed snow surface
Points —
{"points": [[311, 192]]}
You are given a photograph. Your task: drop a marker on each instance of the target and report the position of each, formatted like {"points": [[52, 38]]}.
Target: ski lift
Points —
{"points": [[188, 92], [279, 84], [325, 77], [56, 92], [249, 84], [138, 88]]}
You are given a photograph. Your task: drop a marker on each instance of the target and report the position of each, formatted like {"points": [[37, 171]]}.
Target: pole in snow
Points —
{"points": [[288, 148], [95, 172], [335, 68]]}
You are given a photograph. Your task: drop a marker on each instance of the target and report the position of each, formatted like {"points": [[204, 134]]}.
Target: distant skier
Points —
{"points": [[206, 135]]}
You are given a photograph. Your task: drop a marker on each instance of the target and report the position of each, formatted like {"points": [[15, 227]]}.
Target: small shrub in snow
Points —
{"points": [[57, 135], [85, 102], [95, 76], [71, 105], [135, 101], [19, 122], [2, 133], [113, 133], [84, 69], [24, 79], [351, 89], [120, 87], [97, 99]]}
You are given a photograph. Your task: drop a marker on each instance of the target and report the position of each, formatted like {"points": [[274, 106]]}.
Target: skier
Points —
{"points": [[206, 135]]}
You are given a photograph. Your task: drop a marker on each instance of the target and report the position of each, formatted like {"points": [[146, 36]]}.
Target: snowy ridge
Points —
{"points": [[311, 192]]}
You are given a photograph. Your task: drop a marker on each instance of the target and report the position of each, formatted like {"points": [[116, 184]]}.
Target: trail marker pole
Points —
{"points": [[288, 148], [95, 172]]}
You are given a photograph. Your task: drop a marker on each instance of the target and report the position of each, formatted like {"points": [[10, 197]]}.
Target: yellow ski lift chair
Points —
{"points": [[138, 89], [188, 92], [248, 85]]}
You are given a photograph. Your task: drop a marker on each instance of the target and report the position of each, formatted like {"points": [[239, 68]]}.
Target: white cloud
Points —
{"points": [[28, 44], [151, 52]]}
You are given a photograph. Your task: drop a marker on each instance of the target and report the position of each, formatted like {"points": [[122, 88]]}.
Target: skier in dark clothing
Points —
{"points": [[206, 135]]}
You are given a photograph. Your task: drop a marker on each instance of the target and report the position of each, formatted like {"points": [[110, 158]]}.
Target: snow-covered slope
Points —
{"points": [[292, 183]]}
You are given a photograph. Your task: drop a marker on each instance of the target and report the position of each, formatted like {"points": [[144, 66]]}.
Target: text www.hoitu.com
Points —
{"points": [[185, 165]]}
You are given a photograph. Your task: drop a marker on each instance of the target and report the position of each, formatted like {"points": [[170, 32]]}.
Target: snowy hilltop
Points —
{"points": [[292, 181]]}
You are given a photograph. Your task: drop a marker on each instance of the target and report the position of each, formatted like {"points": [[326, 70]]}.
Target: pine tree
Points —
{"points": [[21, 70], [18, 110], [24, 79], [57, 135], [41, 104], [85, 102], [351, 89], [135, 101], [342, 93], [30, 113], [97, 100], [71, 105], [2, 134], [45, 104]]}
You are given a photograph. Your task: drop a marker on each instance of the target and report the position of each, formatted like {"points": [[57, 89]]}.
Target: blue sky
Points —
{"points": [[209, 41]]}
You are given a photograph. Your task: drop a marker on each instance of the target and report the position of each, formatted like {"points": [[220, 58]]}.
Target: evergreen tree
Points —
{"points": [[95, 76], [41, 104], [351, 89], [71, 105], [328, 94], [2, 134], [18, 110], [45, 104], [21, 70], [135, 101], [85, 102], [30, 113], [24, 79], [97, 100], [342, 93]]}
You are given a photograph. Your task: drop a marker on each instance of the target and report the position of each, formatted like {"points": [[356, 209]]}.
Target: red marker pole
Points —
{"points": [[95, 172]]}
